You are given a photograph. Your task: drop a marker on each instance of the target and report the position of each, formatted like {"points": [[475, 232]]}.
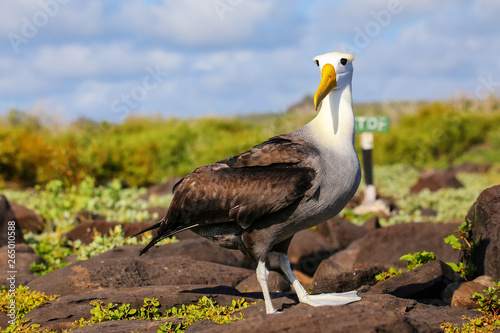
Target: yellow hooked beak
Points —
{"points": [[328, 82]]}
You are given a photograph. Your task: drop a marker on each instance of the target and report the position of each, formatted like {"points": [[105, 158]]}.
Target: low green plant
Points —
{"points": [[485, 323], [489, 302], [415, 260], [52, 248], [489, 305], [116, 238], [467, 245], [25, 300], [387, 275], [418, 259], [109, 312], [204, 309]]}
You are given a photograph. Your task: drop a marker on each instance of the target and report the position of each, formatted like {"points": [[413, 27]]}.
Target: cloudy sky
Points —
{"points": [[109, 59]]}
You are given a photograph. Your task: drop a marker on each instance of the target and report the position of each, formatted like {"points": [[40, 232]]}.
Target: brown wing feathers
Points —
{"points": [[242, 188]]}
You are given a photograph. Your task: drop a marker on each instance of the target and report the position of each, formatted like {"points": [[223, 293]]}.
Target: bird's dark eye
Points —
{"points": [[343, 61], [317, 62]]}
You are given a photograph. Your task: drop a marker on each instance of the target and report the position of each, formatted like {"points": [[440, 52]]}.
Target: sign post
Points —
{"points": [[367, 126]]}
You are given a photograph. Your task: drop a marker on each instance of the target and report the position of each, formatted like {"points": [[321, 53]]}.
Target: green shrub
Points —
{"points": [[25, 301], [415, 260]]}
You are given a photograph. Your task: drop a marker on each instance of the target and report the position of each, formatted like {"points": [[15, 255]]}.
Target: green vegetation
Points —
{"points": [[387, 275], [467, 245], [205, 309], [53, 248], [489, 302], [25, 301], [59, 205], [418, 259], [415, 260], [443, 132], [489, 305], [142, 151]]}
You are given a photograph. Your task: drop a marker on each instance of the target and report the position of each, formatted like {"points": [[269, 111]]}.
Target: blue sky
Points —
{"points": [[106, 60]]}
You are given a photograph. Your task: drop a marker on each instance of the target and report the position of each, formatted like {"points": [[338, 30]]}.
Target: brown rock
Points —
{"points": [[385, 246], [276, 283], [194, 248], [347, 257], [435, 180], [136, 272], [28, 219], [6, 216], [63, 311], [4, 320], [85, 231], [485, 214], [424, 282], [24, 257], [123, 326], [340, 232], [458, 294], [485, 280], [307, 249], [372, 224], [335, 281], [423, 317], [322, 319]]}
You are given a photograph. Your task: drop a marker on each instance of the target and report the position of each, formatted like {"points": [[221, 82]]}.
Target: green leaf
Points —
{"points": [[453, 266]]}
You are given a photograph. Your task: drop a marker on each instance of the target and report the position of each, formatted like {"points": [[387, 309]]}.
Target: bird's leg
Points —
{"points": [[314, 300], [262, 275]]}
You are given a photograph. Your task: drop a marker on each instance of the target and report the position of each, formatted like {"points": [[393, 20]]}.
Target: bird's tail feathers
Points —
{"points": [[154, 226], [161, 236]]}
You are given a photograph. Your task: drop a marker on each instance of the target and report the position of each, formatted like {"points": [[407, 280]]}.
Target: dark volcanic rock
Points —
{"points": [[195, 248], [85, 231], [485, 214], [372, 224], [307, 249], [322, 319], [28, 219], [347, 257], [6, 216], [329, 280], [424, 282], [123, 326], [136, 272], [63, 311], [276, 282], [458, 294], [385, 246], [423, 317], [24, 256], [435, 180], [340, 232]]}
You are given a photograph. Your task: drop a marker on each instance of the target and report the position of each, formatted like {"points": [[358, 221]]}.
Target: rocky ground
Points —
{"points": [[338, 256]]}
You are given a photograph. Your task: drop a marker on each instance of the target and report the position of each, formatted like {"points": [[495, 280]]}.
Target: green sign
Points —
{"points": [[372, 124]]}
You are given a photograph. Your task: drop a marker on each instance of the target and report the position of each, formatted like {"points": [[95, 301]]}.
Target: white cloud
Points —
{"points": [[256, 58]]}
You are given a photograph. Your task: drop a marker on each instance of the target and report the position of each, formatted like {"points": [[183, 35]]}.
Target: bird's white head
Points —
{"points": [[336, 73]]}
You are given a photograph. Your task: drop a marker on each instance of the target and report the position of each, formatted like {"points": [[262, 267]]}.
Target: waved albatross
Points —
{"points": [[258, 200]]}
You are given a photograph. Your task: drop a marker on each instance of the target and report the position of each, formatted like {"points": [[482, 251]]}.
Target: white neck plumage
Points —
{"points": [[334, 124]]}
